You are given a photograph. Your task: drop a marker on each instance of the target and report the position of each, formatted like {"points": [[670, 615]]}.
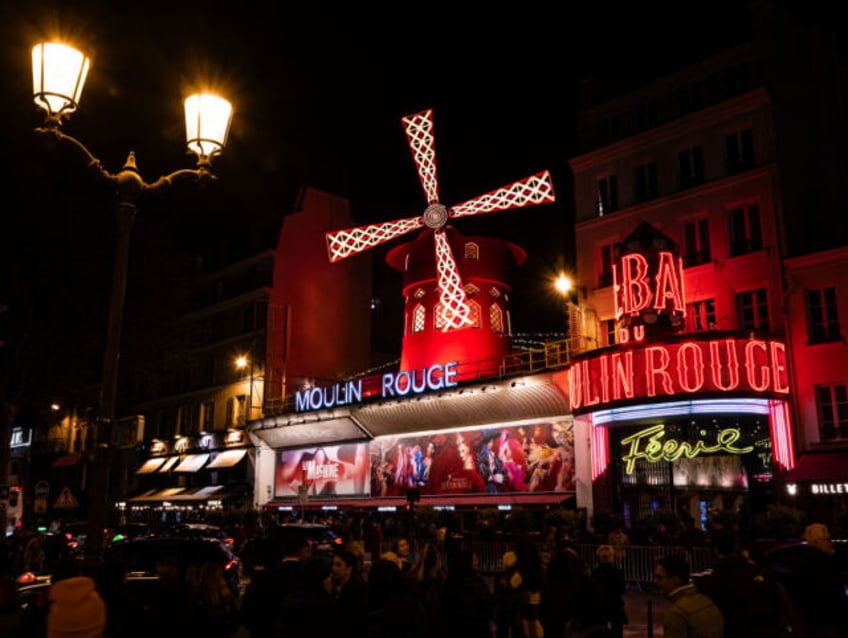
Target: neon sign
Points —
{"points": [[392, 384], [729, 365], [634, 293], [648, 444]]}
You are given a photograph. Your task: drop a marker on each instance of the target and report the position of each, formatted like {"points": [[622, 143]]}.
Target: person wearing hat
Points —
{"points": [[76, 609]]}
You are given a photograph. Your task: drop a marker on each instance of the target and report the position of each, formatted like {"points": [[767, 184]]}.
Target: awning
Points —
{"points": [[820, 466], [169, 463], [227, 458], [192, 463], [151, 465], [161, 495], [210, 491], [68, 460]]}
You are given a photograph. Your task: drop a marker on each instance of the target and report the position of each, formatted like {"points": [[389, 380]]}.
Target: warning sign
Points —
{"points": [[66, 500]]}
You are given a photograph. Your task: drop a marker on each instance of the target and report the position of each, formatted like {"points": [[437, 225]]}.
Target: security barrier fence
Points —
{"points": [[637, 561]]}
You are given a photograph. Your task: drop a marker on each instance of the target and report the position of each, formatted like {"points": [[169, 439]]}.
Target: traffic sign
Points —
{"points": [[66, 500], [42, 489]]}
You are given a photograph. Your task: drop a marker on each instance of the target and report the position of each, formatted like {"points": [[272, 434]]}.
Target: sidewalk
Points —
{"points": [[645, 612]]}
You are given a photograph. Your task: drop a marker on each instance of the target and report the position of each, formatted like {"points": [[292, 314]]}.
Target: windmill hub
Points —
{"points": [[435, 216]]}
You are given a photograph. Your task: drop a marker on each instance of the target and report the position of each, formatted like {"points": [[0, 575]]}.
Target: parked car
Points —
{"points": [[265, 551], [200, 530], [140, 556], [128, 532]]}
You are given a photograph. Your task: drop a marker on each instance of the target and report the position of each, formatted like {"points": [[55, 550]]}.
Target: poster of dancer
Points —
{"points": [[528, 458]]}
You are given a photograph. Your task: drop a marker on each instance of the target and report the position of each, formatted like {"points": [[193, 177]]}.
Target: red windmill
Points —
{"points": [[453, 306]]}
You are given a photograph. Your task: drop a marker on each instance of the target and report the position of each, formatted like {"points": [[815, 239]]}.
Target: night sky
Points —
{"points": [[319, 90]]}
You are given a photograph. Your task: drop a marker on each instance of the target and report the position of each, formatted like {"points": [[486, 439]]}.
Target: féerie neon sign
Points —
{"points": [[392, 384], [728, 365], [650, 444]]}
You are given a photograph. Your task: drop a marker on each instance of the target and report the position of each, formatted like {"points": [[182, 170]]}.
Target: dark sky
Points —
{"points": [[319, 89]]}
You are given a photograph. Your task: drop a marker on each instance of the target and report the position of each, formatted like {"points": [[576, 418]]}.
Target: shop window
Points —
{"points": [[496, 318], [740, 151], [752, 309], [832, 403], [472, 251], [746, 233], [822, 316], [607, 197], [691, 162], [701, 315], [696, 243]]}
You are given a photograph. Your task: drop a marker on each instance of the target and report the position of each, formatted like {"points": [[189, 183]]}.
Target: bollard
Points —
{"points": [[650, 619]]}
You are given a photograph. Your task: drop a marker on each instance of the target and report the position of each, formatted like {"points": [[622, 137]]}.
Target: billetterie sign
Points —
{"points": [[726, 365], [392, 385]]}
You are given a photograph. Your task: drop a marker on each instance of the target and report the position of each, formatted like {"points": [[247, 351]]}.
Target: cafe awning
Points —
{"points": [[192, 463], [209, 491], [227, 458], [161, 495], [169, 463], [820, 466], [151, 465]]}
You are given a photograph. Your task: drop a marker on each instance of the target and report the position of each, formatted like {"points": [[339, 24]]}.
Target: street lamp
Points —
{"points": [[59, 72]]}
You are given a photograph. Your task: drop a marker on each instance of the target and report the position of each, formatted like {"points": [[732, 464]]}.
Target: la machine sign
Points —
{"points": [[650, 371]]}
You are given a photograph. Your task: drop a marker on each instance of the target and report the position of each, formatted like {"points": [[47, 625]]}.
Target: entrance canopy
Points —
{"points": [[820, 467]]}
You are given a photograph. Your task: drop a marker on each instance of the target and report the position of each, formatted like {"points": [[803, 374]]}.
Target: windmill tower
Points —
{"points": [[443, 320]]}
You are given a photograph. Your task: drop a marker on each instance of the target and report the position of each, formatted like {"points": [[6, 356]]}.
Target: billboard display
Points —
{"points": [[527, 458], [326, 471]]}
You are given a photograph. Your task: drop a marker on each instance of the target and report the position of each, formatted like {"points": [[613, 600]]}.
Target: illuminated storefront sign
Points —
{"points": [[650, 444], [828, 488], [729, 365], [638, 290], [392, 384]]}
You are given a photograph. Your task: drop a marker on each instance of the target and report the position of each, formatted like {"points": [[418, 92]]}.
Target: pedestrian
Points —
{"points": [[76, 608], [691, 614], [392, 612], [350, 592], [402, 549], [212, 609], [609, 585], [746, 593], [506, 598], [468, 603]]}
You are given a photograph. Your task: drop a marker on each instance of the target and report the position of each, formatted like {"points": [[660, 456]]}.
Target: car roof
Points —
{"points": [[141, 554]]}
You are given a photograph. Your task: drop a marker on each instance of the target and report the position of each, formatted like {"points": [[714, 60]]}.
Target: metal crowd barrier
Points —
{"points": [[637, 561]]}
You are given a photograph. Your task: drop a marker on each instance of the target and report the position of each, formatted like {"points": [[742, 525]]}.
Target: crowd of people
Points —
{"points": [[432, 587]]}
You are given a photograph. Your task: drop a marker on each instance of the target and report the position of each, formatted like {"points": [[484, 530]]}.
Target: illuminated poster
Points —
{"points": [[528, 458], [327, 471]]}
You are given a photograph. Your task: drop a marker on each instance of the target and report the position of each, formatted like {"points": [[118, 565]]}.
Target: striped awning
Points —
{"points": [[151, 465], [192, 463], [227, 458]]}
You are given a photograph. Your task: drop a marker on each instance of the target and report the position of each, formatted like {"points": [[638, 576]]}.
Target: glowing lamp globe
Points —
{"points": [[58, 75], [208, 120]]}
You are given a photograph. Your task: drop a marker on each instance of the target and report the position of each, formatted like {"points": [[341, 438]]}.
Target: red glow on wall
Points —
{"points": [[692, 367], [600, 450], [783, 449]]}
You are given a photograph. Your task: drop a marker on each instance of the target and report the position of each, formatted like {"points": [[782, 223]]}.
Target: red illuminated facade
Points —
{"points": [[710, 409]]}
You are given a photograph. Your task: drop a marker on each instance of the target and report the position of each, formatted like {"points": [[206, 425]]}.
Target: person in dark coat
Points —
{"points": [[468, 603], [747, 595], [308, 608], [260, 605], [609, 586], [392, 612], [350, 592]]}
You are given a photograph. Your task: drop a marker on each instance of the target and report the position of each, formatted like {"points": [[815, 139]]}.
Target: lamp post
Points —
{"points": [[59, 73]]}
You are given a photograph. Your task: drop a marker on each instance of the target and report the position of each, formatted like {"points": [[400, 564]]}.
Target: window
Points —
{"points": [[607, 195], [646, 182], [230, 418], [752, 309], [188, 419], [496, 318], [471, 290], [605, 266], [208, 423], [472, 251], [419, 318], [609, 325], [832, 403], [746, 234], [740, 151], [822, 317], [241, 409], [690, 98], [701, 315], [691, 162], [646, 116], [696, 243], [473, 315]]}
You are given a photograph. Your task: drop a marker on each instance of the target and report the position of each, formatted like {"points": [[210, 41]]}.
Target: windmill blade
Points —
{"points": [[419, 133], [455, 312], [344, 243], [536, 189]]}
